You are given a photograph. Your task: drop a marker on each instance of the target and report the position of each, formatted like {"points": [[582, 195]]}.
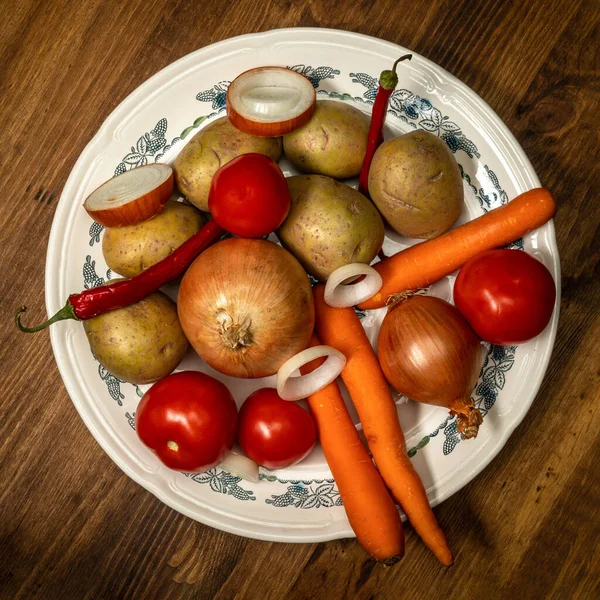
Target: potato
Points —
{"points": [[332, 143], [139, 343], [329, 225], [131, 249], [211, 148], [415, 182]]}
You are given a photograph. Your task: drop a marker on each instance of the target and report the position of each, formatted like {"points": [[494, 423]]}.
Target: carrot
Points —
{"points": [[427, 262], [371, 511], [341, 328]]}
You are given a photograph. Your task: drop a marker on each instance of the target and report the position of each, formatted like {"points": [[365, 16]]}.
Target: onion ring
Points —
{"points": [[240, 466], [342, 296], [297, 387]]}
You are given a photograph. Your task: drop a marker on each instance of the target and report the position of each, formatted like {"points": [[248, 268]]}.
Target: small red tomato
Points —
{"points": [[189, 419], [249, 196], [273, 432], [507, 296]]}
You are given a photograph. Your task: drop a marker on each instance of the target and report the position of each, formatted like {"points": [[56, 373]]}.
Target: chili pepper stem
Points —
{"points": [[66, 312], [388, 79], [405, 57]]}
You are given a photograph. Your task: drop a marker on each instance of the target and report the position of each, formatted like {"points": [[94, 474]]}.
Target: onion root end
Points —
{"points": [[468, 422]]}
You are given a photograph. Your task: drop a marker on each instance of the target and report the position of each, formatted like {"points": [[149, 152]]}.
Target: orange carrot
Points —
{"points": [[370, 509], [427, 262], [341, 328]]}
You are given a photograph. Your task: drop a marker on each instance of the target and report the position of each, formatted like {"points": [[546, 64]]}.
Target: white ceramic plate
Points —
{"points": [[300, 504]]}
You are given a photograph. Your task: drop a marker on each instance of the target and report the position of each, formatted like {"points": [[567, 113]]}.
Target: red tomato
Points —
{"points": [[507, 296], [249, 196], [189, 420], [273, 432]]}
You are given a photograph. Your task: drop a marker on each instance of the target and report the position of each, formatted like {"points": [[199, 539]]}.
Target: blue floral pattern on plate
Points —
{"points": [[301, 494]]}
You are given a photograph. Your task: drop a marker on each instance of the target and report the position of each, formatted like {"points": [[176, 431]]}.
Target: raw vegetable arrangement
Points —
{"points": [[247, 307]]}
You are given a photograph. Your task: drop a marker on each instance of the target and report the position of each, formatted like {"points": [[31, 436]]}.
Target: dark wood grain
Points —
{"points": [[72, 525]]}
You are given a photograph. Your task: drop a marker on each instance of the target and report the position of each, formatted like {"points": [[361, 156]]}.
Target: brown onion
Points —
{"points": [[429, 353], [246, 307]]}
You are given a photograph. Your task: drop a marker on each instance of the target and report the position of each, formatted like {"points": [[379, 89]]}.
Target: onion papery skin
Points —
{"points": [[429, 353], [246, 307]]}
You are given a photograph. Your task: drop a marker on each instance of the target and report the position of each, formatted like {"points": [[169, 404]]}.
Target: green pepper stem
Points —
{"points": [[405, 57], [66, 312], [389, 79]]}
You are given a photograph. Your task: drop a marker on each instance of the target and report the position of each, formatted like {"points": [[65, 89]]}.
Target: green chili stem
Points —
{"points": [[66, 312], [388, 79], [405, 57]]}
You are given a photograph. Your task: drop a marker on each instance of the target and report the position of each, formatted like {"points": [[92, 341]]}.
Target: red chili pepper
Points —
{"points": [[99, 300], [388, 80]]}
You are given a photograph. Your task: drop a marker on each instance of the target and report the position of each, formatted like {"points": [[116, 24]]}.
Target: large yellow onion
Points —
{"points": [[246, 307]]}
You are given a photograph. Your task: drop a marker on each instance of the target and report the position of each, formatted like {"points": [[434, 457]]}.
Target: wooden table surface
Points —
{"points": [[72, 525]]}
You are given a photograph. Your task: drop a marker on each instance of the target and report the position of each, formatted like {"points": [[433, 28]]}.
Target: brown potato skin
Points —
{"points": [[131, 249], [329, 225], [140, 343], [332, 143], [211, 148], [415, 182]]}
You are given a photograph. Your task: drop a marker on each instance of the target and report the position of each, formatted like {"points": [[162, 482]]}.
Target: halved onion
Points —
{"points": [[132, 197], [241, 466], [297, 387], [343, 295], [270, 101]]}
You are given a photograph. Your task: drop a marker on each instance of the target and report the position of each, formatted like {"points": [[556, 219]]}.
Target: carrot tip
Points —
{"points": [[391, 561], [448, 562]]}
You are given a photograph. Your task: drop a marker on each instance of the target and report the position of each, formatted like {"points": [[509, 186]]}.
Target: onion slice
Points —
{"points": [[302, 386], [240, 466], [341, 296], [270, 101], [131, 197]]}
